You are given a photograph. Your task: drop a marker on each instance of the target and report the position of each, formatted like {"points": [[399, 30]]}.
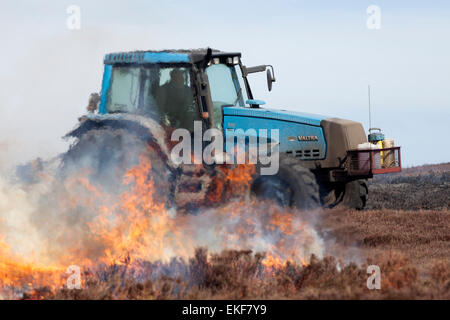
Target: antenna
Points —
{"points": [[375, 134], [370, 116]]}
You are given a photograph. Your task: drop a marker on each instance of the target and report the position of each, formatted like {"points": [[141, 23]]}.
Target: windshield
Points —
{"points": [[225, 89], [163, 93]]}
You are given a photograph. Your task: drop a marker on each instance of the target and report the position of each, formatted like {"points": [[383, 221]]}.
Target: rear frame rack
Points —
{"points": [[364, 162]]}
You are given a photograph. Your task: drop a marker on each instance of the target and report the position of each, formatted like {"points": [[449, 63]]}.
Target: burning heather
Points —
{"points": [[60, 221]]}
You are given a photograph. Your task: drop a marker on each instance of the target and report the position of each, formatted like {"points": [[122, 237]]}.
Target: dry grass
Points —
{"points": [[423, 236], [240, 275]]}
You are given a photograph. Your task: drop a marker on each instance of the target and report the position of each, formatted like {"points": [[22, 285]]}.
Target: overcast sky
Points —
{"points": [[323, 53]]}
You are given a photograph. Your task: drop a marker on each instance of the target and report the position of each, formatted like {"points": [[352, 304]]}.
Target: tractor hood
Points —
{"points": [[304, 135], [299, 133], [283, 115]]}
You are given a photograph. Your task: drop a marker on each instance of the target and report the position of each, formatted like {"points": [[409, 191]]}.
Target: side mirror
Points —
{"points": [[262, 68], [270, 77], [94, 99]]}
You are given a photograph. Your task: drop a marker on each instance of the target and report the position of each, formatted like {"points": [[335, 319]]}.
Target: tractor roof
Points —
{"points": [[165, 56]]}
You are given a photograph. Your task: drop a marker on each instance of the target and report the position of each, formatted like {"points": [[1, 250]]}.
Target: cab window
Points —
{"points": [[225, 89]]}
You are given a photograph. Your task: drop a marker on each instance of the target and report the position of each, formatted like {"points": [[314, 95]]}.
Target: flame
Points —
{"points": [[231, 182], [272, 262], [17, 273], [137, 226]]}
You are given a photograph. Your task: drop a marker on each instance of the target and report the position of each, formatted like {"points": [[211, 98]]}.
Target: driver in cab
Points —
{"points": [[176, 102]]}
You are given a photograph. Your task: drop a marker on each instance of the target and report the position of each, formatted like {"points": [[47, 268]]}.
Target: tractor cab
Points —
{"points": [[176, 88]]}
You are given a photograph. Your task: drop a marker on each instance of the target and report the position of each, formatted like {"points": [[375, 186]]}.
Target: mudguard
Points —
{"points": [[145, 127]]}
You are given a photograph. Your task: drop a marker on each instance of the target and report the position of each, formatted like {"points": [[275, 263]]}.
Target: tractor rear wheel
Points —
{"points": [[293, 185], [105, 155]]}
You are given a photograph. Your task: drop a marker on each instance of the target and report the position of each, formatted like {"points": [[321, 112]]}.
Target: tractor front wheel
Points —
{"points": [[352, 194], [293, 185], [356, 194]]}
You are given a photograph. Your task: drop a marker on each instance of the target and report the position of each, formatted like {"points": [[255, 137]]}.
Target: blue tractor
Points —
{"points": [[146, 95]]}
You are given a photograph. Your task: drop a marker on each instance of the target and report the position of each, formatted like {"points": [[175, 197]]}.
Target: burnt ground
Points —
{"points": [[425, 187]]}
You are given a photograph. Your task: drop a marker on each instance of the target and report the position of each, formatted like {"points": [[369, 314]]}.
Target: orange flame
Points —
{"points": [[139, 227]]}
